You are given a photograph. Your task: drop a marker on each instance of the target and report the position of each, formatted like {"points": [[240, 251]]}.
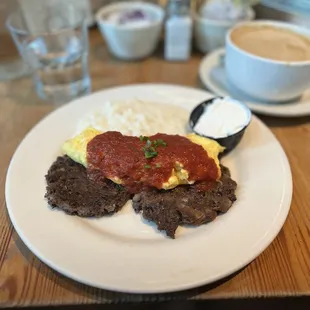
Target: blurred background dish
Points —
{"points": [[210, 32], [131, 30], [282, 74], [212, 74]]}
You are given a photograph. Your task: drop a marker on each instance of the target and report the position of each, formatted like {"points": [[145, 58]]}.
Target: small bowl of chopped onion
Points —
{"points": [[222, 119], [131, 29]]}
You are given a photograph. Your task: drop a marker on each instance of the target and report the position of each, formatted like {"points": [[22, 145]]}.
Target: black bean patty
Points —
{"points": [[185, 204], [70, 189]]}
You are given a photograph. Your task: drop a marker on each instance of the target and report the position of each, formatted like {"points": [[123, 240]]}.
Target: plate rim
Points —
{"points": [[256, 107], [288, 193]]}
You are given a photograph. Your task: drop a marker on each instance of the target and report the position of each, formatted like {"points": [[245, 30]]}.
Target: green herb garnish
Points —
{"points": [[147, 166], [159, 142], [150, 147], [148, 143], [149, 152], [143, 138]]}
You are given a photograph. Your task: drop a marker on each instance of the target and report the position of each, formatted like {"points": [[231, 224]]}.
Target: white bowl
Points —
{"points": [[129, 41], [210, 34], [266, 79]]}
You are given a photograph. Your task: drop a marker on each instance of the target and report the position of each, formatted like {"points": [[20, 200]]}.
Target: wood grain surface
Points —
{"points": [[282, 269]]}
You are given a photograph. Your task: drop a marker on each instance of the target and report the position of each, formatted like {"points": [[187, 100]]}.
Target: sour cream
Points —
{"points": [[222, 118]]}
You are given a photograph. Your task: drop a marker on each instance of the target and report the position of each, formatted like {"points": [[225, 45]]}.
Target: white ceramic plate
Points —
{"points": [[212, 75], [124, 253]]}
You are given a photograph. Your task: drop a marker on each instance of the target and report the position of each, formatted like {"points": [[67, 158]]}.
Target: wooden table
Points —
{"points": [[283, 268]]}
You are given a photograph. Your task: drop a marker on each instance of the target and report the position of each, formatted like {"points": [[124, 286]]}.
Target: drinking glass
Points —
{"points": [[53, 41]]}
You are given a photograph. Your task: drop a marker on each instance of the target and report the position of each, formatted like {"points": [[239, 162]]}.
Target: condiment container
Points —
{"points": [[222, 119], [178, 31]]}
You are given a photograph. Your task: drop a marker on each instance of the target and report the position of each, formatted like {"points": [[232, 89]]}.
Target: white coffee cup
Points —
{"points": [[262, 78]]}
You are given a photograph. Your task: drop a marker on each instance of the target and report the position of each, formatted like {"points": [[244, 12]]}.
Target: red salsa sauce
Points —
{"points": [[133, 159]]}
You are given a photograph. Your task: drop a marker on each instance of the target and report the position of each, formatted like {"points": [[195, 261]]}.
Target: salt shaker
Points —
{"points": [[178, 30]]}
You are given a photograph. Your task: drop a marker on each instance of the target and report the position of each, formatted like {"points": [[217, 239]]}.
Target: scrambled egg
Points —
{"points": [[76, 149]]}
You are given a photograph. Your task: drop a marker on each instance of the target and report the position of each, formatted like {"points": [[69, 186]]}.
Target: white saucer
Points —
{"points": [[213, 76]]}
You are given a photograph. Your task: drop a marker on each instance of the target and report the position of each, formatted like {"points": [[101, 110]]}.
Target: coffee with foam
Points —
{"points": [[271, 42]]}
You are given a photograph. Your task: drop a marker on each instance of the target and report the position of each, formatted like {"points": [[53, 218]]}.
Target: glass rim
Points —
{"points": [[23, 31]]}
